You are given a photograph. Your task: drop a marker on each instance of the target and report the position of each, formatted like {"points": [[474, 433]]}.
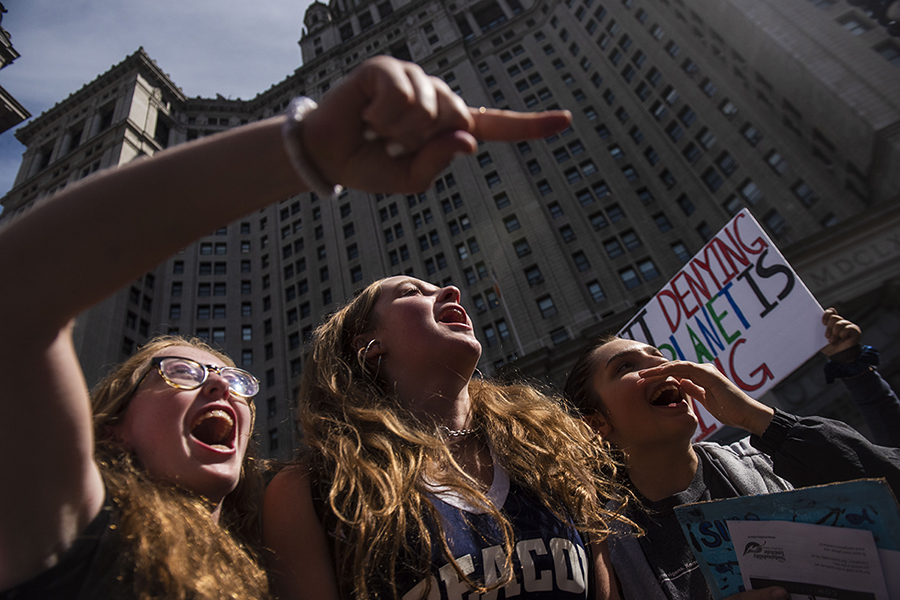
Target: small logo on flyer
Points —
{"points": [[760, 552]]}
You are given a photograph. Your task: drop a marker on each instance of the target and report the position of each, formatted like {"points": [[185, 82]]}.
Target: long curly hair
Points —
{"points": [[172, 548], [373, 457]]}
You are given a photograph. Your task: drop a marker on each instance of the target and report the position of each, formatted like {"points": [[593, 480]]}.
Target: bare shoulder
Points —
{"points": [[299, 553]]}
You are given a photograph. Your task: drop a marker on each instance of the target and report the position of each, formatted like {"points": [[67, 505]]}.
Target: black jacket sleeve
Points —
{"points": [[815, 451], [878, 405]]}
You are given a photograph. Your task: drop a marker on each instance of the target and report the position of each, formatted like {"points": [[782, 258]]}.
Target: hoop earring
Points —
{"points": [[364, 352]]}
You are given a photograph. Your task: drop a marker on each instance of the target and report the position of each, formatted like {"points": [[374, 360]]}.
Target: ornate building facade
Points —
{"points": [[684, 113]]}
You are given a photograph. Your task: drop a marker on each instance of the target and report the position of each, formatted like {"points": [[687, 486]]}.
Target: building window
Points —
{"points": [[598, 221], [546, 306], [890, 51], [854, 24], [691, 153], [596, 291], [732, 205], [726, 164], [521, 247], [648, 269], [613, 248], [706, 138], [630, 278], [511, 223], [775, 222], [662, 222], [751, 134], [675, 131], [804, 193], [631, 240], [581, 261], [713, 180], [777, 162], [533, 275], [750, 191], [681, 252], [615, 213], [558, 336]]}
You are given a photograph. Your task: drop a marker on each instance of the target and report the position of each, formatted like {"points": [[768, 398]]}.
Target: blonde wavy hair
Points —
{"points": [[172, 548], [368, 456]]}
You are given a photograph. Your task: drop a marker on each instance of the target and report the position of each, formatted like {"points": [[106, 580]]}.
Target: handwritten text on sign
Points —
{"points": [[739, 304]]}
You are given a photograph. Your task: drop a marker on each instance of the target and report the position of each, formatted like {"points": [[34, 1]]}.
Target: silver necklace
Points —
{"points": [[456, 432]]}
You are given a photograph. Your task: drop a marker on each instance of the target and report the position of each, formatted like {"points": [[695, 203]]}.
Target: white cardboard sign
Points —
{"points": [[739, 304]]}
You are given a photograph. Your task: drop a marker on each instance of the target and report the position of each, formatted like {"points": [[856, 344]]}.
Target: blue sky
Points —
{"points": [[230, 47]]}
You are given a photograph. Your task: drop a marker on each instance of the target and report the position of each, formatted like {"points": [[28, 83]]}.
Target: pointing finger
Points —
{"points": [[505, 125]]}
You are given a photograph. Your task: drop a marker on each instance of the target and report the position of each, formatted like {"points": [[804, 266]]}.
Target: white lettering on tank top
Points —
{"points": [[496, 567], [570, 572], [563, 549]]}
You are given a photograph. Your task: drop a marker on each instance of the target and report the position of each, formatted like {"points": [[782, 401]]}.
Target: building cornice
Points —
{"points": [[139, 61]]}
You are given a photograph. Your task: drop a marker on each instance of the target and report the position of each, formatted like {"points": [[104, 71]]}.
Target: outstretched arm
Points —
{"points": [[94, 237]]}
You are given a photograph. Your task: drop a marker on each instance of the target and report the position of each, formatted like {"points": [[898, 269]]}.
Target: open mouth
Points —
{"points": [[453, 315], [667, 395], [215, 428]]}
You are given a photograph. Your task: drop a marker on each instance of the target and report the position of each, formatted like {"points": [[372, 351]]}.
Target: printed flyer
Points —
{"points": [[863, 505]]}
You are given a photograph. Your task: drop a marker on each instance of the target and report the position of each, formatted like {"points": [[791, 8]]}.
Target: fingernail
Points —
{"points": [[780, 594], [369, 134], [395, 149]]}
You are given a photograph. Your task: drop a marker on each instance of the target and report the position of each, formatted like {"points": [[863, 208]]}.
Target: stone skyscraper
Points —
{"points": [[684, 113]]}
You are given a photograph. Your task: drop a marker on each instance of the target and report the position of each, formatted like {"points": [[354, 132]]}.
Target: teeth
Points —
{"points": [[214, 428], [218, 413], [666, 388]]}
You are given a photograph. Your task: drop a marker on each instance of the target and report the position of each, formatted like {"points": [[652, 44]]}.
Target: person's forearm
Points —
{"points": [[149, 210], [815, 451], [878, 405]]}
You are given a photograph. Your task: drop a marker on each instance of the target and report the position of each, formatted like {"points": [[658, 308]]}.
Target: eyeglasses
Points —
{"points": [[187, 374]]}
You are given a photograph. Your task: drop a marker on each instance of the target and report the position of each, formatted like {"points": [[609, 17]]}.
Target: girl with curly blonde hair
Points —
{"points": [[141, 506], [422, 482]]}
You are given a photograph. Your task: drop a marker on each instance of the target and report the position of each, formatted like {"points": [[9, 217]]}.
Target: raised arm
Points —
{"points": [[876, 400], [91, 239]]}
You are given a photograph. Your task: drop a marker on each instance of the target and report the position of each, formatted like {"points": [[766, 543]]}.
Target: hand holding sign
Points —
{"points": [[722, 398], [841, 333]]}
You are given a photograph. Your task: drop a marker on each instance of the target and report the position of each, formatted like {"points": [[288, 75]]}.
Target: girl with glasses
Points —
{"points": [[144, 497]]}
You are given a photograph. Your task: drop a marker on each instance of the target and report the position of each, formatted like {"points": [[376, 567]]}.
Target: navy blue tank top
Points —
{"points": [[550, 560]]}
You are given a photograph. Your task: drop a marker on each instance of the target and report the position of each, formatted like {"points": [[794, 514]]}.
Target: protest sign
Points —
{"points": [[738, 304]]}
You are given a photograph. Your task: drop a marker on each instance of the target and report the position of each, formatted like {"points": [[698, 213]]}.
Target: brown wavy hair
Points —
{"points": [[579, 388], [369, 458], [172, 548]]}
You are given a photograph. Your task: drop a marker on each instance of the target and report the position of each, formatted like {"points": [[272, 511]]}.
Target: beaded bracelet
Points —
{"points": [[868, 357], [293, 145]]}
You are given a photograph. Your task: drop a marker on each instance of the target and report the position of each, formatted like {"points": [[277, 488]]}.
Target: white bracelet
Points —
{"points": [[293, 145]]}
